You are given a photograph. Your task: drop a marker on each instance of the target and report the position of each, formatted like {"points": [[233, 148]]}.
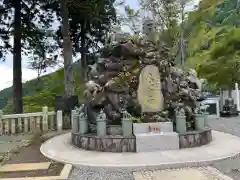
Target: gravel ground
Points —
{"points": [[83, 174], [229, 167]]}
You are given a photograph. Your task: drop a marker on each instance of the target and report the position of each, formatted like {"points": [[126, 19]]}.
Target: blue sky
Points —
{"points": [[6, 67]]}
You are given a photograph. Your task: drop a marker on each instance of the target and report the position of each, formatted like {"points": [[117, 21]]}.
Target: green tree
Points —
{"points": [[223, 66], [17, 60], [89, 23], [67, 50], [24, 25], [213, 42]]}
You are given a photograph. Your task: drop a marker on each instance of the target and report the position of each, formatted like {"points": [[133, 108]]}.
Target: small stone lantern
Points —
{"points": [[181, 121], [101, 124], [127, 124], [82, 120]]}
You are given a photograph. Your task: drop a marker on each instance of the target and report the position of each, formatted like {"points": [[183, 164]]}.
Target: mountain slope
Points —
{"points": [[39, 92]]}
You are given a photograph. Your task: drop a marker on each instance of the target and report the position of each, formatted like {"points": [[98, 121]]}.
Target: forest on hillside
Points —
{"points": [[211, 36]]}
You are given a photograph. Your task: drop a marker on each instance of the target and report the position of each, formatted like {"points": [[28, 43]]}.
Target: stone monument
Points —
{"points": [[141, 77], [149, 90], [137, 78]]}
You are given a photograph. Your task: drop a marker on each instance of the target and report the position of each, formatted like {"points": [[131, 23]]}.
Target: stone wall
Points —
{"points": [[118, 143], [195, 138], [107, 143]]}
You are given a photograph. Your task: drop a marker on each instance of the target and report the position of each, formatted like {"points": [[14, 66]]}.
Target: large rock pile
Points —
{"points": [[115, 80]]}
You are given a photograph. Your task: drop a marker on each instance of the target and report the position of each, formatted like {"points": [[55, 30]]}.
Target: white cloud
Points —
{"points": [[6, 72], [7, 75], [6, 69]]}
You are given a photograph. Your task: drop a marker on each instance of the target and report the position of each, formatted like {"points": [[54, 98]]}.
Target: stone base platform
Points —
{"points": [[149, 142], [223, 146], [107, 143], [192, 139]]}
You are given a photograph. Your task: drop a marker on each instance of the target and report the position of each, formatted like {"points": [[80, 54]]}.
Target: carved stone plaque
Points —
{"points": [[149, 90]]}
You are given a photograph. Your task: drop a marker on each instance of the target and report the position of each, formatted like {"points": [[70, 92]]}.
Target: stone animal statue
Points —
{"points": [[92, 89], [192, 77]]}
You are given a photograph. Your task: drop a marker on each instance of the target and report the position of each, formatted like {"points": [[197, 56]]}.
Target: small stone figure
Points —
{"points": [[80, 108], [197, 110], [92, 89], [126, 115], [102, 115], [194, 81], [203, 108], [180, 112], [81, 111]]}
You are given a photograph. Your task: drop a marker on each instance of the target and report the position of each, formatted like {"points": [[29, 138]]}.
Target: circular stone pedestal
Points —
{"points": [[60, 149], [116, 143]]}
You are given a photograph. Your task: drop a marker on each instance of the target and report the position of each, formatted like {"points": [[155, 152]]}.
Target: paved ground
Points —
{"points": [[203, 155], [229, 167], [231, 125]]}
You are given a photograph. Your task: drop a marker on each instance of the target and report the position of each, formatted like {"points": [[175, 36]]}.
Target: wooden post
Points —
{"points": [[59, 120], [45, 118], [1, 124]]}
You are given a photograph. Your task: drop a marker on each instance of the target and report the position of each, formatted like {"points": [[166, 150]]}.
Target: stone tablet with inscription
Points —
{"points": [[149, 90]]}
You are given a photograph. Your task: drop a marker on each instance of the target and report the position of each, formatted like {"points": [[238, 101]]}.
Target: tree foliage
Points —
{"points": [[214, 42], [34, 24], [223, 65]]}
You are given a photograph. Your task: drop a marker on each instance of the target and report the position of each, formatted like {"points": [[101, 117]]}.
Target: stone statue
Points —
{"points": [[92, 89], [192, 77]]}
